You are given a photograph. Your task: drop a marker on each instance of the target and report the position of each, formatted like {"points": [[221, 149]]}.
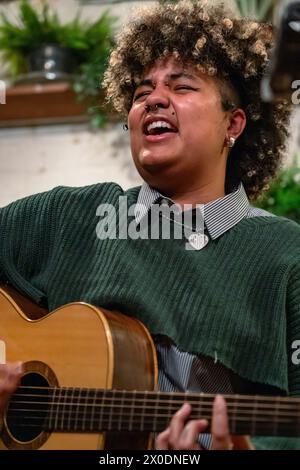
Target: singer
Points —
{"points": [[224, 314]]}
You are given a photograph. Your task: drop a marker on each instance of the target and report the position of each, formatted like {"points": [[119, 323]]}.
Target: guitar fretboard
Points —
{"points": [[94, 410]]}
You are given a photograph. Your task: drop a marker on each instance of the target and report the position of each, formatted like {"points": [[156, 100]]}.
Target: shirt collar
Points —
{"points": [[219, 215]]}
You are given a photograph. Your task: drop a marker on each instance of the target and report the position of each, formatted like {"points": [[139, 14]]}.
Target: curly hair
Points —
{"points": [[234, 50]]}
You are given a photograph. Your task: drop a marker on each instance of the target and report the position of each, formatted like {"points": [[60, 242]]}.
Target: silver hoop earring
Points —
{"points": [[125, 127]]}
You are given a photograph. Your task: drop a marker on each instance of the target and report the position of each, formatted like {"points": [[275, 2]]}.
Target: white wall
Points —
{"points": [[36, 159]]}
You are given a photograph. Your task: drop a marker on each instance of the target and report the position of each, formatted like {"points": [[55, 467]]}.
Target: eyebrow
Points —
{"points": [[172, 77]]}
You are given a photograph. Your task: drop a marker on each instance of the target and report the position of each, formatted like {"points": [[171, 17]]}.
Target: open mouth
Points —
{"points": [[159, 128]]}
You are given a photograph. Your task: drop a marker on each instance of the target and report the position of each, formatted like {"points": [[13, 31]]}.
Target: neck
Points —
{"points": [[186, 188], [195, 195]]}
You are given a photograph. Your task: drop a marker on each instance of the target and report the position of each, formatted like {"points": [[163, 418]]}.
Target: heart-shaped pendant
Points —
{"points": [[198, 240]]}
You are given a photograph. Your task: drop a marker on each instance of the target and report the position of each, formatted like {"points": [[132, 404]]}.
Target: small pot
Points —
{"points": [[52, 58]]}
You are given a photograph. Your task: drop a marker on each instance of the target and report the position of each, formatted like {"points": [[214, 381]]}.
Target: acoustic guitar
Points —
{"points": [[89, 383]]}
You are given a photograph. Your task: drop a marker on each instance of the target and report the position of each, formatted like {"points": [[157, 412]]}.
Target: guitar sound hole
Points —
{"points": [[28, 408]]}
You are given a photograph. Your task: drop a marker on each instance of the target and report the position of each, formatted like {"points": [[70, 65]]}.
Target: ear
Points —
{"points": [[236, 123]]}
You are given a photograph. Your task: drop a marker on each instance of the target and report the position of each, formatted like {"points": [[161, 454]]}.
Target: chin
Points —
{"points": [[157, 171], [150, 158]]}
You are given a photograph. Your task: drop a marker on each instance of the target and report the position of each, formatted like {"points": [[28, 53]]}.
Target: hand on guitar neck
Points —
{"points": [[182, 435], [178, 436]]}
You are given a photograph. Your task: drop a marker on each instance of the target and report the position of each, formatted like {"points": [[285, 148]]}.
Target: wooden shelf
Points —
{"points": [[37, 104]]}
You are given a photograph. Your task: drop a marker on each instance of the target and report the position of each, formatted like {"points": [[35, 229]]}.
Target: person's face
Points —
{"points": [[189, 102]]}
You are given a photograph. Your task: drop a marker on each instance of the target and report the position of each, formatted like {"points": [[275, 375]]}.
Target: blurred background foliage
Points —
{"points": [[283, 197], [262, 10]]}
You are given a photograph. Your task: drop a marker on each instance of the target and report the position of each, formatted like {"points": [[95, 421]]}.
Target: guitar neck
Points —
{"points": [[93, 410]]}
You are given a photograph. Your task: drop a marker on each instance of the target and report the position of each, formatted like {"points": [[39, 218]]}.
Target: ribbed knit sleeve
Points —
{"points": [[293, 352], [37, 233], [27, 232]]}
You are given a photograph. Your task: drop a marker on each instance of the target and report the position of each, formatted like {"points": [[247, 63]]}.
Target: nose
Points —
{"points": [[158, 98]]}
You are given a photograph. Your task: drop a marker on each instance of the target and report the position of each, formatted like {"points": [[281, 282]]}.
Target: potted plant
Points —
{"points": [[40, 47]]}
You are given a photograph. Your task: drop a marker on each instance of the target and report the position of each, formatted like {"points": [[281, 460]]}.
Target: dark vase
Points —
{"points": [[52, 58]]}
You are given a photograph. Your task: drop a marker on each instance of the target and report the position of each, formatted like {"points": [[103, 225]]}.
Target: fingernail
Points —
{"points": [[186, 407], [219, 402]]}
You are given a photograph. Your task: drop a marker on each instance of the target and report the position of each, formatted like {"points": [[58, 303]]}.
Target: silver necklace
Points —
{"points": [[196, 240]]}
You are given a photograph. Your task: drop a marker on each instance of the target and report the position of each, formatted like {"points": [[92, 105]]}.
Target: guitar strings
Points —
{"points": [[143, 416], [255, 411], [49, 411], [108, 423], [157, 395], [172, 407], [71, 400], [147, 402]]}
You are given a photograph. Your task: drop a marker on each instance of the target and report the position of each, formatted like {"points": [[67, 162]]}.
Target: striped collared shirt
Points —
{"points": [[178, 370]]}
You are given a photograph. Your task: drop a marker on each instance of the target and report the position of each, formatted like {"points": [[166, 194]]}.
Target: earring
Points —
{"points": [[231, 142], [125, 127]]}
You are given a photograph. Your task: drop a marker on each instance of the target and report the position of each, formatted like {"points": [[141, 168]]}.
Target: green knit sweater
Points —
{"points": [[239, 297]]}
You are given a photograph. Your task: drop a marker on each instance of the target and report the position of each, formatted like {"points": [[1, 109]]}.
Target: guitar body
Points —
{"points": [[77, 345]]}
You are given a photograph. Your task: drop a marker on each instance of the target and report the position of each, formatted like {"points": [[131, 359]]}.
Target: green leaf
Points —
{"points": [[258, 9], [283, 197]]}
